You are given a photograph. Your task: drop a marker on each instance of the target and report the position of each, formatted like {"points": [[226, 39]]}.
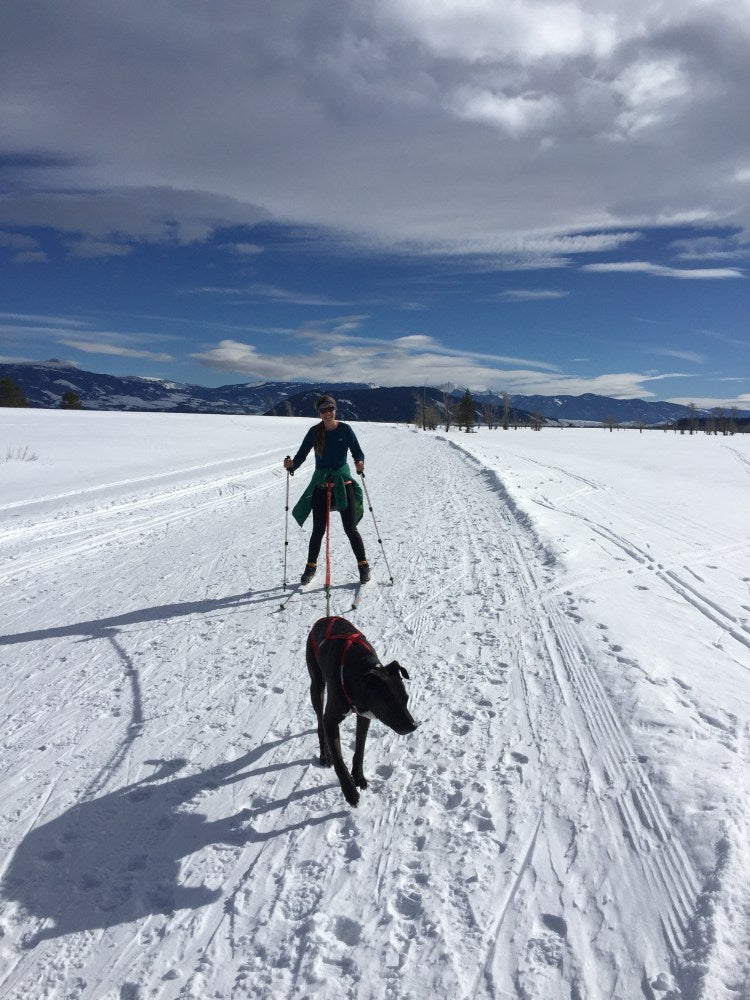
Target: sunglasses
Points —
{"points": [[326, 409]]}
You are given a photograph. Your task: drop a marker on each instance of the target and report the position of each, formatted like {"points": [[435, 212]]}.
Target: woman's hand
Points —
{"points": [[360, 467], [288, 464]]}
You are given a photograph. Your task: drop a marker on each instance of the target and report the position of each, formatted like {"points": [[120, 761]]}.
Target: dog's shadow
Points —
{"points": [[116, 858]]}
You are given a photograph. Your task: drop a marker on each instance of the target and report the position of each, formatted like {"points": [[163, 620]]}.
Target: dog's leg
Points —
{"points": [[317, 691], [331, 728], [363, 726]]}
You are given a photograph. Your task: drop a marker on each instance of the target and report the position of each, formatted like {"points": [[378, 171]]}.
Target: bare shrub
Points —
{"points": [[21, 454]]}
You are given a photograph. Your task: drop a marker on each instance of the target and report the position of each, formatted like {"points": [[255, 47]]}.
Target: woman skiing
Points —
{"points": [[331, 440]]}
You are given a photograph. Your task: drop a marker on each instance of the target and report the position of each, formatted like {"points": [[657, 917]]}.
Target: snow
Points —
{"points": [[570, 820]]}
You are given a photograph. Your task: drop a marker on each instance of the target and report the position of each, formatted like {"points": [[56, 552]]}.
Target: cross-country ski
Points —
{"points": [[301, 588], [359, 592]]}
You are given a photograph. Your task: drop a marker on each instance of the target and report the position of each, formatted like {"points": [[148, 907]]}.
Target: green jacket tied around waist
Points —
{"points": [[339, 500]]}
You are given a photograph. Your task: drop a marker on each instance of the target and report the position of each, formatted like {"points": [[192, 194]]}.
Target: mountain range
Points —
{"points": [[43, 384]]}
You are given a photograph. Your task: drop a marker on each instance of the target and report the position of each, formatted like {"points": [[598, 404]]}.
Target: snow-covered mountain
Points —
{"points": [[44, 383], [602, 408], [390, 403]]}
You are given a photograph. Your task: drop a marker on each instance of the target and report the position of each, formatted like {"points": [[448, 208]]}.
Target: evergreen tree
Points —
{"points": [[11, 393], [70, 401], [466, 411]]}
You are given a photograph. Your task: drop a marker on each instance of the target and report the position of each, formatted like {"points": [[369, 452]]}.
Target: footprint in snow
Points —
{"points": [[453, 800], [483, 821], [352, 851], [556, 924], [409, 904], [347, 931]]}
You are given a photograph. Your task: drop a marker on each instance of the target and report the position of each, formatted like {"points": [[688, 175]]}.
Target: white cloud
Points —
{"points": [[418, 361], [651, 91], [416, 341], [91, 347], [99, 248], [531, 294], [711, 248], [144, 214], [680, 355], [35, 319], [30, 257], [17, 241], [713, 402], [486, 30], [26, 247], [80, 335], [660, 271], [466, 125], [275, 294], [517, 115], [271, 293], [244, 249]]}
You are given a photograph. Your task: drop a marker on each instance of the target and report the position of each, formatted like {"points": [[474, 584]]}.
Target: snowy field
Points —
{"points": [[570, 820]]}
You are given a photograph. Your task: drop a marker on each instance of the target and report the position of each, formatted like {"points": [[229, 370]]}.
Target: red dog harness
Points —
{"points": [[350, 639]]}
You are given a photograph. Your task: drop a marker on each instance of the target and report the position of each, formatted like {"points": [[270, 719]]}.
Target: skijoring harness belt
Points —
{"points": [[350, 639]]}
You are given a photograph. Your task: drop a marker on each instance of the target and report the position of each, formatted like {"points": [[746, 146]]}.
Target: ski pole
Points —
{"points": [[289, 474], [377, 529], [329, 490]]}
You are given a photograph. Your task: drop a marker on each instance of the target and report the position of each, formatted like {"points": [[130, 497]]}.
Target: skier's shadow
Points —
{"points": [[116, 858], [102, 627]]}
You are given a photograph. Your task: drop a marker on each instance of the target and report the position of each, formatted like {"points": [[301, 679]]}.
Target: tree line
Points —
{"points": [[465, 414], [11, 394]]}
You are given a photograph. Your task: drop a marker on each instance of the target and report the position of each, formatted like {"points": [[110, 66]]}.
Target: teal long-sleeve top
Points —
{"points": [[338, 442], [331, 465]]}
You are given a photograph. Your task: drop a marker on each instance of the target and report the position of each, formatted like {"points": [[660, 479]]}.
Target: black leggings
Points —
{"points": [[319, 510]]}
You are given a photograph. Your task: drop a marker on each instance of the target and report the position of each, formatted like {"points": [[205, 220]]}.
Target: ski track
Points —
{"points": [[83, 533], [607, 762], [702, 543], [186, 837]]}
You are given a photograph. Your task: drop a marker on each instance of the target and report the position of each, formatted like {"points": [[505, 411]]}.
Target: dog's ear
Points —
{"points": [[394, 667], [371, 678]]}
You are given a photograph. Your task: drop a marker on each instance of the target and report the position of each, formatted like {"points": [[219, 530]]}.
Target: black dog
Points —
{"points": [[342, 663]]}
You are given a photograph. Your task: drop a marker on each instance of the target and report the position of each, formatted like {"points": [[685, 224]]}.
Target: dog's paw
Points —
{"points": [[351, 795], [359, 779], [325, 760]]}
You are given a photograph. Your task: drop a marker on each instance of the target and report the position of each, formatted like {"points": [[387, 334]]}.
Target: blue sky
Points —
{"points": [[548, 197]]}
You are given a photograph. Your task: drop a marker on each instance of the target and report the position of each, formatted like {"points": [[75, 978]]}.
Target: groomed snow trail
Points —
{"points": [[167, 833]]}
